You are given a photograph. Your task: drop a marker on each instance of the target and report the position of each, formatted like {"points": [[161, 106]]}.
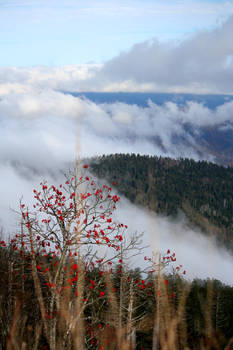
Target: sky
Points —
{"points": [[61, 32]]}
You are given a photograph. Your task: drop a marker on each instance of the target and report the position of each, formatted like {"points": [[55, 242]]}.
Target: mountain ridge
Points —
{"points": [[201, 189]]}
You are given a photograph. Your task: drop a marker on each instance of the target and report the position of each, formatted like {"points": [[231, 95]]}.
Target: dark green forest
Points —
{"points": [[201, 189], [206, 306]]}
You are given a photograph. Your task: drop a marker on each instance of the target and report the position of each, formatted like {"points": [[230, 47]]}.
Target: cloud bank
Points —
{"points": [[46, 128], [200, 63]]}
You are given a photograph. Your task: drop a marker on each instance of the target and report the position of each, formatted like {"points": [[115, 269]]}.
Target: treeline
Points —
{"points": [[200, 314], [202, 190]]}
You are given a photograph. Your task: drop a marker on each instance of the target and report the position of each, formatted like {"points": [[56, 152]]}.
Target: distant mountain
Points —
{"points": [[218, 142], [202, 190], [141, 98]]}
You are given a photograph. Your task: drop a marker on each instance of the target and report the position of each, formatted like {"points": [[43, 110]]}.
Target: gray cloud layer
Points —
{"points": [[200, 63]]}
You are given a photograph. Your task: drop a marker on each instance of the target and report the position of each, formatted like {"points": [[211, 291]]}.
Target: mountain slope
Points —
{"points": [[202, 190]]}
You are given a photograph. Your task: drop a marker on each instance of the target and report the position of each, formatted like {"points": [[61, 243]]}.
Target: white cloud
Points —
{"points": [[68, 78]]}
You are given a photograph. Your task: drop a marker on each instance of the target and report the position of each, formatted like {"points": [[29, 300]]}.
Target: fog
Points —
{"points": [[199, 255]]}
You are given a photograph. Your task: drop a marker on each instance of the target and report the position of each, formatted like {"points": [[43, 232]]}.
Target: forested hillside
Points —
{"points": [[202, 190]]}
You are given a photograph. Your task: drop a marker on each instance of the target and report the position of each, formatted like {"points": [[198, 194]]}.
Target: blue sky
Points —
{"points": [[71, 31]]}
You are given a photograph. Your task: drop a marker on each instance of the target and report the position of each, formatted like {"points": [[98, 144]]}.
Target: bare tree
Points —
{"points": [[69, 231]]}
